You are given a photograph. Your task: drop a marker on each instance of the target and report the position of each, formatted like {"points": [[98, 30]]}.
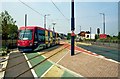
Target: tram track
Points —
{"points": [[21, 55], [26, 60], [56, 52], [51, 50], [4, 69]]}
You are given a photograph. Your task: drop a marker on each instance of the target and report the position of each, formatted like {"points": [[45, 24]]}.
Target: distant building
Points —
{"points": [[82, 33], [86, 35], [90, 36], [103, 36]]}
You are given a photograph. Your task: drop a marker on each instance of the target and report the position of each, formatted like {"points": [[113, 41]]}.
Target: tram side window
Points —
{"points": [[58, 35], [53, 36], [41, 37]]}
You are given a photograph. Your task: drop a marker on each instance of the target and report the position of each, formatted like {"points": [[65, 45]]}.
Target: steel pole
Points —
{"points": [[25, 24], [53, 29], [80, 28], [45, 21], [103, 23], [25, 20], [90, 32], [72, 28]]}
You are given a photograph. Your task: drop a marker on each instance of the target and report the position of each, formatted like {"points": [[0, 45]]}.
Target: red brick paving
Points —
{"points": [[89, 65]]}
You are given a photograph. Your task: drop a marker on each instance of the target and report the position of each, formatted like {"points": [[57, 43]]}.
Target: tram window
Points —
{"points": [[25, 34], [41, 37]]}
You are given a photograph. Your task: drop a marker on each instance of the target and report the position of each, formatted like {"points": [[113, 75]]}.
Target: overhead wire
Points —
{"points": [[34, 10], [31, 8], [59, 10], [42, 14]]}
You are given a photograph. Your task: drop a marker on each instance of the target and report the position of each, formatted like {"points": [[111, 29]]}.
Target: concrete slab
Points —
{"points": [[54, 72]]}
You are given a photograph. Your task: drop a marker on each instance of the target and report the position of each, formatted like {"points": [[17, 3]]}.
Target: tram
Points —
{"points": [[31, 38]]}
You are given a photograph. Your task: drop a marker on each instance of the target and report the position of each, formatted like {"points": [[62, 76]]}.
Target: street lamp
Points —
{"points": [[90, 32], [45, 20], [54, 26], [80, 28], [103, 22]]}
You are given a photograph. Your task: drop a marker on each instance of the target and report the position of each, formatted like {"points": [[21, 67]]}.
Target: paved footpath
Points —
{"points": [[83, 64]]}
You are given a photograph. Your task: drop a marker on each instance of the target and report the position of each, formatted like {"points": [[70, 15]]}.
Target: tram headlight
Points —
{"points": [[18, 44], [30, 44]]}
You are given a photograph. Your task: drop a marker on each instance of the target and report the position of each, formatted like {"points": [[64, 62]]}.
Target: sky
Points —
{"points": [[86, 14]]}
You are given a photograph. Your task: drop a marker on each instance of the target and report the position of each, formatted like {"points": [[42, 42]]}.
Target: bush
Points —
{"points": [[4, 51], [4, 54]]}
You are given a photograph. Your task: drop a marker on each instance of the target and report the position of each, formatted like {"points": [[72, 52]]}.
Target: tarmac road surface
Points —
{"points": [[104, 51], [13, 72]]}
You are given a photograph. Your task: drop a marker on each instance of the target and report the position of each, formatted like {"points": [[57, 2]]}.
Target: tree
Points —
{"points": [[8, 26], [96, 36], [68, 36], [119, 35]]}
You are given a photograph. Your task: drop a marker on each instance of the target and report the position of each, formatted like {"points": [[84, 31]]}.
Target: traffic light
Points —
{"points": [[98, 31]]}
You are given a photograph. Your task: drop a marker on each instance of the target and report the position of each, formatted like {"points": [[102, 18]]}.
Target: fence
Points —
{"points": [[113, 44]]}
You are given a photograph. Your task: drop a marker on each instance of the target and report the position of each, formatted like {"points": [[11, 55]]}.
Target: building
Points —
{"points": [[89, 36], [86, 35]]}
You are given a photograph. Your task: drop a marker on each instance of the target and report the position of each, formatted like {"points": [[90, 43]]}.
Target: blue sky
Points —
{"points": [[86, 14]]}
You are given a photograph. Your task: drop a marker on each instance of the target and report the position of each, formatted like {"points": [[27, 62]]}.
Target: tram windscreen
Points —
{"points": [[25, 35]]}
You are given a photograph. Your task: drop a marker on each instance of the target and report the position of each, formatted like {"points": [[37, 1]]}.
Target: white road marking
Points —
{"points": [[29, 64], [72, 72], [4, 66], [53, 64]]}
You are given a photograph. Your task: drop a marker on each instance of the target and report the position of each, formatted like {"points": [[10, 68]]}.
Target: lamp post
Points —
{"points": [[103, 22], [90, 32], [54, 26], [80, 28], [25, 20], [49, 27], [45, 20]]}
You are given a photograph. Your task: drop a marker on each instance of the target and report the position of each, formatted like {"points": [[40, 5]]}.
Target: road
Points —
{"points": [[104, 51], [13, 72]]}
